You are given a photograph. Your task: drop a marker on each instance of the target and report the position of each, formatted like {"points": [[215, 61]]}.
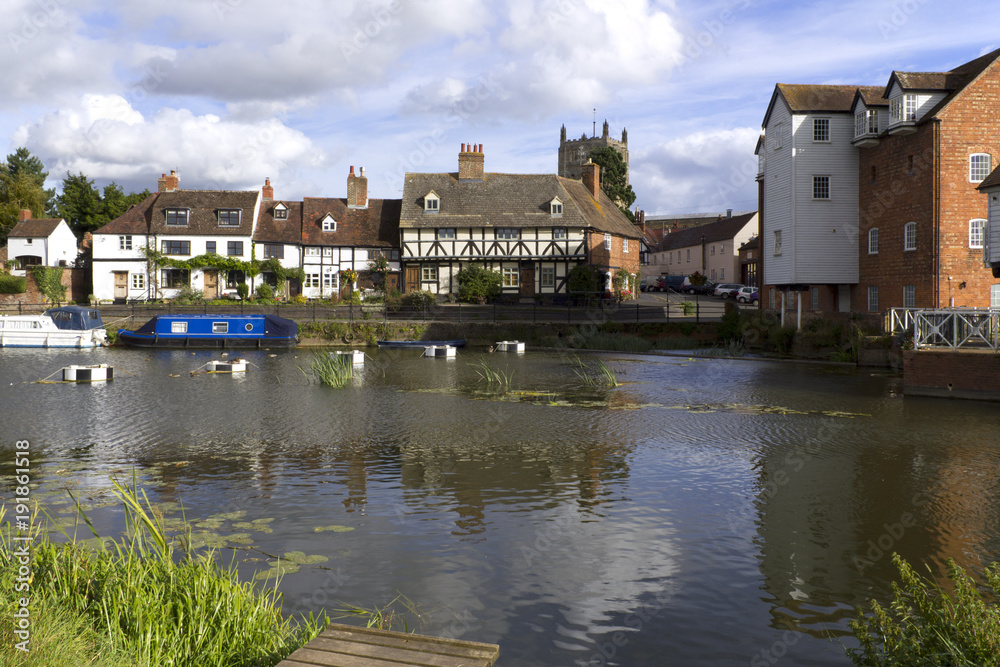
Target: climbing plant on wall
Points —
{"points": [[251, 268], [49, 281]]}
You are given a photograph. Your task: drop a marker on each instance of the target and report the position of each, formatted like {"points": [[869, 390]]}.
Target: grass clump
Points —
{"points": [[136, 602], [496, 380], [924, 625], [332, 370]]}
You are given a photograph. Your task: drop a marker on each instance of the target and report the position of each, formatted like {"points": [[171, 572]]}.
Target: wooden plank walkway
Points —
{"points": [[350, 646]]}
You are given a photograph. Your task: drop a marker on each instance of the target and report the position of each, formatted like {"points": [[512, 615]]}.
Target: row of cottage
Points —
{"points": [[532, 229], [874, 197]]}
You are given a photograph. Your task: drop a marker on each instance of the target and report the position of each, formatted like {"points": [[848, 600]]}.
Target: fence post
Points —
{"points": [[569, 313], [314, 311], [697, 310], [494, 311], [459, 312], [636, 312], [534, 313], [205, 306]]}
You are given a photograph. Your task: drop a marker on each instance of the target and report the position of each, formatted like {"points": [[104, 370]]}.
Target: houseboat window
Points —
{"points": [[178, 327], [248, 326], [220, 327]]}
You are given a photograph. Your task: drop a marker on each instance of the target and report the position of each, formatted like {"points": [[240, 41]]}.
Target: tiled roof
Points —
{"points": [[203, 206], [804, 97], [278, 230], [510, 200], [952, 82], [723, 230], [133, 221], [922, 80], [35, 228], [376, 226], [873, 96], [991, 181]]}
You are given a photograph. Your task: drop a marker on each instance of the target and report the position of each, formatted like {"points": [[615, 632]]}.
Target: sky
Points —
{"points": [[230, 92]]}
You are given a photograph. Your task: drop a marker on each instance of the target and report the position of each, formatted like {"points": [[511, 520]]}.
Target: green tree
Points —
{"points": [[80, 204], [476, 284], [614, 178], [115, 202], [585, 280], [22, 186]]}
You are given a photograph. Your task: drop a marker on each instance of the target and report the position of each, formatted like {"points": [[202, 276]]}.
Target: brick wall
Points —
{"points": [[76, 282], [614, 259], [963, 374]]}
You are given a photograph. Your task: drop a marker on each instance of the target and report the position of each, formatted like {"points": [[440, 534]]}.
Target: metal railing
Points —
{"points": [[899, 320], [956, 328]]}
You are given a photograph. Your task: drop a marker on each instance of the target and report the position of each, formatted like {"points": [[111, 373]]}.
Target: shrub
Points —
{"points": [[585, 279], [49, 281], [188, 296], [419, 299], [13, 284], [924, 625], [782, 338], [476, 284], [243, 290], [730, 326], [265, 292], [300, 299]]}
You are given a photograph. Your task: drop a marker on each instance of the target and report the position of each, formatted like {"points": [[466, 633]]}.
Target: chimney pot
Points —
{"points": [[471, 162]]}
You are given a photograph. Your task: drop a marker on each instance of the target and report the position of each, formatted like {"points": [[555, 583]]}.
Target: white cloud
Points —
{"points": [[105, 138]]}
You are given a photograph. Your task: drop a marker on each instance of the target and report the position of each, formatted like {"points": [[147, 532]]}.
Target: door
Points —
{"points": [[412, 278], [391, 281], [211, 285], [121, 285], [527, 280]]}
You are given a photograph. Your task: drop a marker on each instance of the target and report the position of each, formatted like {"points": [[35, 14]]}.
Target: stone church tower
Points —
{"points": [[573, 154]]}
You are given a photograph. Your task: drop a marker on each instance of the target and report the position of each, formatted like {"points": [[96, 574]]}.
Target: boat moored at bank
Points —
{"points": [[213, 331], [68, 326]]}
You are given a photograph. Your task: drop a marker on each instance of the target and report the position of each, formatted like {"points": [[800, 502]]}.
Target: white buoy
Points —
{"points": [[440, 351], [234, 366], [510, 346], [357, 356], [97, 373]]}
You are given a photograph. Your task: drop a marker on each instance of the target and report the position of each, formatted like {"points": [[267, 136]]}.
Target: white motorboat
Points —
{"points": [[71, 326]]}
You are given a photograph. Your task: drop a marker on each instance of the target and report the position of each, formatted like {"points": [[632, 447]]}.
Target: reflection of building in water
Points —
{"points": [[832, 511]]}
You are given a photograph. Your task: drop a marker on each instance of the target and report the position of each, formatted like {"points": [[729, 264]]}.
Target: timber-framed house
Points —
{"points": [[531, 228]]}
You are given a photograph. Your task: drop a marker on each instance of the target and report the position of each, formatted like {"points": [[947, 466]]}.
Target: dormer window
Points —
{"points": [[177, 217], [229, 217], [280, 212], [432, 203], [903, 108], [328, 223], [556, 208]]}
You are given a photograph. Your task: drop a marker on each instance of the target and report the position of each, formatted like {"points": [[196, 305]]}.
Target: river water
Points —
{"points": [[704, 512]]}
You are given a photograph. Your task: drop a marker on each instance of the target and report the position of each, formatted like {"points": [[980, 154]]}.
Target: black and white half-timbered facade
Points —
{"points": [[531, 228]]}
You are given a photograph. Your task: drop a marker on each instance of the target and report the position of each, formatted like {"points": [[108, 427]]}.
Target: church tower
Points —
{"points": [[574, 153]]}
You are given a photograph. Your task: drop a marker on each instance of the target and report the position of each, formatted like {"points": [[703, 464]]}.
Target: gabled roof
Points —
{"points": [[510, 200], [133, 221], [809, 98], [34, 228], [723, 230], [376, 226], [279, 230], [203, 206], [871, 96], [991, 181], [953, 82]]}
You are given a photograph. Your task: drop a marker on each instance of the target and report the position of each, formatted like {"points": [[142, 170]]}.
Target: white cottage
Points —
{"points": [[41, 242]]}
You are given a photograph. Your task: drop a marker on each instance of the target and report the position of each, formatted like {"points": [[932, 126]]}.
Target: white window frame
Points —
{"points": [[821, 130], [624, 246], [980, 166], [312, 280], [125, 242], [428, 274], [820, 185], [995, 296], [977, 232], [556, 208], [312, 251], [547, 276], [329, 224], [511, 276], [860, 123], [138, 281], [873, 298], [607, 241], [909, 236], [909, 296], [873, 241], [432, 203]]}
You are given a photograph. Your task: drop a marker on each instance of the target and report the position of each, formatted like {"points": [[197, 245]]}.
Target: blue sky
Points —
{"points": [[230, 92]]}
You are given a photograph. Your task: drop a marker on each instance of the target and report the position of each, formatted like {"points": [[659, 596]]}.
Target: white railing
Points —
{"points": [[956, 327], [899, 320]]}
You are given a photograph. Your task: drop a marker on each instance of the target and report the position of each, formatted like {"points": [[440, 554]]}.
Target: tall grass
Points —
{"points": [[332, 370], [496, 380], [598, 374], [137, 602]]}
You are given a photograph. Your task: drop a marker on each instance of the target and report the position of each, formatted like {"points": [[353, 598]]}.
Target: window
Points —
{"points": [[280, 212], [446, 233], [722, 273], [177, 216], [670, 258], [873, 121], [777, 242], [910, 236], [229, 217], [175, 278], [429, 274], [713, 276], [976, 233], [779, 129], [607, 241], [548, 276], [624, 245], [510, 276], [909, 296], [713, 250], [910, 107], [327, 251], [220, 327], [124, 242], [235, 278], [506, 233], [556, 207], [559, 232], [995, 296], [772, 299], [178, 327], [432, 203], [176, 247], [210, 247], [330, 280], [312, 280], [821, 129], [813, 298], [821, 187], [29, 241], [872, 299], [688, 254], [274, 251], [873, 241], [903, 107], [312, 252], [860, 123], [722, 248], [329, 224], [874, 175], [979, 167], [234, 248], [138, 281]]}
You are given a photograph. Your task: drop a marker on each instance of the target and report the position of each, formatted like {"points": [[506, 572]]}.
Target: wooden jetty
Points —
{"points": [[350, 646]]}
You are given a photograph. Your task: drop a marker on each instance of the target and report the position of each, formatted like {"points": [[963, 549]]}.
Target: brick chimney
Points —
{"points": [[25, 214], [357, 189], [591, 174], [471, 162], [171, 183], [267, 192]]}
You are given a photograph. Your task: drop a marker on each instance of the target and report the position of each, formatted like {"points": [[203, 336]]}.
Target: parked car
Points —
{"points": [[726, 290], [656, 284], [748, 295], [674, 283], [642, 284], [708, 287]]}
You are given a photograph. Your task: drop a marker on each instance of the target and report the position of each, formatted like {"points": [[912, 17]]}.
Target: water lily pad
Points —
{"points": [[228, 516], [209, 524], [300, 558], [203, 538], [277, 569], [334, 529], [240, 538]]}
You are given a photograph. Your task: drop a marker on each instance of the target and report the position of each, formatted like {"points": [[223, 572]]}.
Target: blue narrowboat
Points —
{"points": [[213, 331]]}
